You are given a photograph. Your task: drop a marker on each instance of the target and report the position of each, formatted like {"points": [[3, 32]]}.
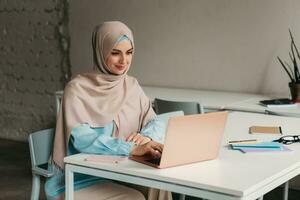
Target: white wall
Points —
{"points": [[226, 45]]}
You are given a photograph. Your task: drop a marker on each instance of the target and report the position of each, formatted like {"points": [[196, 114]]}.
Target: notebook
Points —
{"points": [[265, 129], [189, 139]]}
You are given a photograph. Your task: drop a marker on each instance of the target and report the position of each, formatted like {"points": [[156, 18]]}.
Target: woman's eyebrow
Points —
{"points": [[120, 50]]}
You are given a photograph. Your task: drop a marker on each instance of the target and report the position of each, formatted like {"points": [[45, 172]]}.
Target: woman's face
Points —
{"points": [[119, 59]]}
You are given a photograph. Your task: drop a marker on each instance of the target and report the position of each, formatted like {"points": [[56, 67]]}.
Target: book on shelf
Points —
{"points": [[278, 103]]}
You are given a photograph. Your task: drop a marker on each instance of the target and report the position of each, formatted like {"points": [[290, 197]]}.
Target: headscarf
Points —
{"points": [[101, 97]]}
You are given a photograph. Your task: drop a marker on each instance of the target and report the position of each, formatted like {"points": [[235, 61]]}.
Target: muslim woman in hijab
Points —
{"points": [[105, 112]]}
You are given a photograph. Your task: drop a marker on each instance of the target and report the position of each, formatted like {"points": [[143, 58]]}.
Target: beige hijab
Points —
{"points": [[101, 97]]}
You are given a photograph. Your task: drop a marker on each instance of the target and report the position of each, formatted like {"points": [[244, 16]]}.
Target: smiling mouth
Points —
{"points": [[120, 67]]}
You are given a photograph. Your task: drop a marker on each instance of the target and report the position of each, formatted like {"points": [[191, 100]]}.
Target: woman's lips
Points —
{"points": [[120, 67]]}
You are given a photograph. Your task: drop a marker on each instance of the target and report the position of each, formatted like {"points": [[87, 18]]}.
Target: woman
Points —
{"points": [[105, 112]]}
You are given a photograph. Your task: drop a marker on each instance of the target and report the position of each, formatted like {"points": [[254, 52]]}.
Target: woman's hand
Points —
{"points": [[137, 138], [151, 148]]}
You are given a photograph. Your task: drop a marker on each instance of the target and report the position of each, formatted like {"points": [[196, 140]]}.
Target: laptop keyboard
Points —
{"points": [[155, 161]]}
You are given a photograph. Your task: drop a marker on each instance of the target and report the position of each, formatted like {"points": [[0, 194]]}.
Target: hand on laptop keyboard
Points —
{"points": [[151, 148]]}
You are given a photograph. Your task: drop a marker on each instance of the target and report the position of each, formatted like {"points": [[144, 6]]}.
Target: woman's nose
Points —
{"points": [[123, 59]]}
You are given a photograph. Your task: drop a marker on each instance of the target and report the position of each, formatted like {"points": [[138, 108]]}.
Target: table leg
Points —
{"points": [[286, 191], [69, 183]]}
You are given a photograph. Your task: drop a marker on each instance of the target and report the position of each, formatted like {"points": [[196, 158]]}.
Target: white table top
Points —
{"points": [[233, 173], [209, 99], [252, 105], [221, 100]]}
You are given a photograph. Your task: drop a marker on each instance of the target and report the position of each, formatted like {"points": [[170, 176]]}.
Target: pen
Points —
{"points": [[243, 141]]}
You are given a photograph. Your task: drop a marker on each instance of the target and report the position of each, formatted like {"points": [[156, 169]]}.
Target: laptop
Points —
{"points": [[189, 139]]}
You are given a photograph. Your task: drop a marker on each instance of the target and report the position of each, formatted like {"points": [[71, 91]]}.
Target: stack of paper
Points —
{"points": [[259, 147]]}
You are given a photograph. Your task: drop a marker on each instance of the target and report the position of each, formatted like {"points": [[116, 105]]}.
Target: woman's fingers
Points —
{"points": [[136, 138], [152, 148], [157, 146], [143, 140], [130, 137], [154, 153]]}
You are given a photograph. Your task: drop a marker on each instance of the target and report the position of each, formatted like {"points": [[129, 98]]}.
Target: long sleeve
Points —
{"points": [[155, 129], [86, 139]]}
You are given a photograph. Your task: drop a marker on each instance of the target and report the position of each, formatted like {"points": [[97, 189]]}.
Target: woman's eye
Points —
{"points": [[129, 52], [114, 53]]}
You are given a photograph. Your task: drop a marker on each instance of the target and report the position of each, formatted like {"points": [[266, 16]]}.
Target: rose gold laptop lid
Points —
{"points": [[190, 139], [193, 138]]}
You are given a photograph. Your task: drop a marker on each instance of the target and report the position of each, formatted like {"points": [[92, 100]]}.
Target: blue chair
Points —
{"points": [[189, 108], [40, 145]]}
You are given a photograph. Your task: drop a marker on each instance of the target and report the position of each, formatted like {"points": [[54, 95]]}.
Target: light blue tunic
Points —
{"points": [[85, 139]]}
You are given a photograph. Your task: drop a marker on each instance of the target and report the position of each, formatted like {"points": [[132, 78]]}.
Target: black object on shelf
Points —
{"points": [[277, 102]]}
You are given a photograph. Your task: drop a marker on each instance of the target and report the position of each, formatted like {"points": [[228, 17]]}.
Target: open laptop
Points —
{"points": [[189, 139]]}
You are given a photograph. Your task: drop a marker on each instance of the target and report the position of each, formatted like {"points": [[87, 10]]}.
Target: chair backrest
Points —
{"points": [[189, 108], [41, 145], [58, 97]]}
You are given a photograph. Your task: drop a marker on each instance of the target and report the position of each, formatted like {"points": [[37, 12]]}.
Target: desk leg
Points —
{"points": [[69, 183], [286, 191]]}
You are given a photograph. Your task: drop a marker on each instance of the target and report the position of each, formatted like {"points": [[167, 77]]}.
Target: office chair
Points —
{"points": [[189, 108], [58, 97], [40, 145]]}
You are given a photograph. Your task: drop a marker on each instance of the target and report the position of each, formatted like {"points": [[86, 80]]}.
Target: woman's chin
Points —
{"points": [[118, 72]]}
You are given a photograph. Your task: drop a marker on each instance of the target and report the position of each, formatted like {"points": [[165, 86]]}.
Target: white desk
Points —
{"points": [[252, 105], [215, 100], [232, 176], [209, 99]]}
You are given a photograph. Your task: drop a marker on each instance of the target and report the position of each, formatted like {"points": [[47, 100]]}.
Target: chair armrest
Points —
{"points": [[42, 172]]}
